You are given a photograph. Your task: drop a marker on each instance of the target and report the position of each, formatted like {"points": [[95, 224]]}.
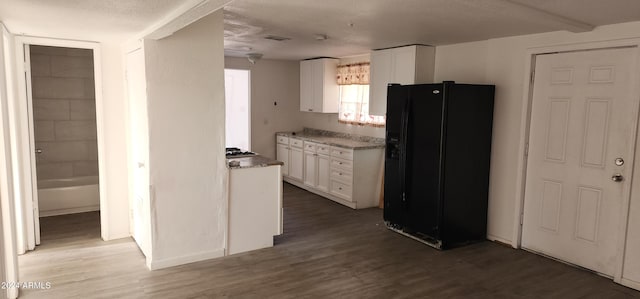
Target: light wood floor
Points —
{"points": [[327, 251]]}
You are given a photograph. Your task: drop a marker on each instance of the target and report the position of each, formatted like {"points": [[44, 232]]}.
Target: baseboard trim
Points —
{"points": [[117, 236], [630, 283], [323, 194], [185, 259], [69, 211], [500, 240]]}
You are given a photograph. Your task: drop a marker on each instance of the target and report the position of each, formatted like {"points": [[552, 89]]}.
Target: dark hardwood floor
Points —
{"points": [[326, 251]]}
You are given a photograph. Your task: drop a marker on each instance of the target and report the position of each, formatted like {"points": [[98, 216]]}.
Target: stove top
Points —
{"points": [[235, 152]]}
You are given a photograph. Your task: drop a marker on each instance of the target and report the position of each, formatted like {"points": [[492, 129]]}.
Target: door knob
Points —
{"points": [[38, 151], [617, 177]]}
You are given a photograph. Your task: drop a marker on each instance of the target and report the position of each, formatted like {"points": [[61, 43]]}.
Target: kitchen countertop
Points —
{"points": [[252, 162], [339, 141]]}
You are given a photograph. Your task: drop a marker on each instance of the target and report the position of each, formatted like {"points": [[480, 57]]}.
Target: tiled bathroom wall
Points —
{"points": [[64, 112]]}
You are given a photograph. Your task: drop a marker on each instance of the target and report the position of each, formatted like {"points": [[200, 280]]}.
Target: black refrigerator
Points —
{"points": [[438, 147]]}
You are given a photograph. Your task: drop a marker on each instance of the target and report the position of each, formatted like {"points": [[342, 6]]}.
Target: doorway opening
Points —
{"points": [[237, 89], [62, 118]]}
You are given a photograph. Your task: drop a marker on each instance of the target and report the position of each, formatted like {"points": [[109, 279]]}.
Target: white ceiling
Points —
{"points": [[357, 26], [352, 26], [84, 19]]}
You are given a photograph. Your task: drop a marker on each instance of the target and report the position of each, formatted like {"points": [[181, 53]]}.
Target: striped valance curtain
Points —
{"points": [[354, 95], [355, 73]]}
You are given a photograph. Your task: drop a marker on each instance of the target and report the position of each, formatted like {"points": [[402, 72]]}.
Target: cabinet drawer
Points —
{"points": [[343, 176], [323, 149], [341, 164], [310, 147], [342, 153], [282, 140], [340, 189], [295, 142]]}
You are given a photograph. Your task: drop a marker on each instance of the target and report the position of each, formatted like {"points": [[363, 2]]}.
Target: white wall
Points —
{"points": [[502, 62], [473, 69], [187, 165], [271, 81]]}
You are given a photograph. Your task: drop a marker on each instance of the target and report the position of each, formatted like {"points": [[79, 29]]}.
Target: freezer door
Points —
{"points": [[394, 210], [424, 157]]}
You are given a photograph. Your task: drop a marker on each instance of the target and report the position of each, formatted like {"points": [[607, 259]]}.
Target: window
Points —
{"points": [[354, 96]]}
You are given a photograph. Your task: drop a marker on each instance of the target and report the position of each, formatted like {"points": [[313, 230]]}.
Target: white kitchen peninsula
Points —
{"points": [[255, 203]]}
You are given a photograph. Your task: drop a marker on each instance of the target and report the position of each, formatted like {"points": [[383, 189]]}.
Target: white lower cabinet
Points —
{"points": [[342, 190], [341, 173], [352, 177], [282, 155], [324, 172], [317, 166], [289, 151], [255, 214], [296, 165], [310, 168]]}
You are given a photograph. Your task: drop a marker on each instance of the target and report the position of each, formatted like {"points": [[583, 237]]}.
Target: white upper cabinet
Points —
{"points": [[306, 86], [318, 88], [402, 65]]}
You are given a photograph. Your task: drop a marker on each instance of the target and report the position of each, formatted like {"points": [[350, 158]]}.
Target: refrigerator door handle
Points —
{"points": [[403, 147]]}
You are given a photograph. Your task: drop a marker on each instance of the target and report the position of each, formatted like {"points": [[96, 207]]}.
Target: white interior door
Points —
{"points": [[237, 108], [583, 122], [32, 207], [138, 119]]}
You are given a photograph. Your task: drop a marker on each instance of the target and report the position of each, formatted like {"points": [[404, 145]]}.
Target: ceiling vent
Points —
{"points": [[276, 38]]}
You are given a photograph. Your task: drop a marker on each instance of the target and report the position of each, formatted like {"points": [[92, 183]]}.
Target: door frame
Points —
{"points": [[8, 238], [24, 121], [525, 127], [145, 246]]}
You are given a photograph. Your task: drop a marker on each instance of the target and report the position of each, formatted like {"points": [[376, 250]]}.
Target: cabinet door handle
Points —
{"points": [[310, 109]]}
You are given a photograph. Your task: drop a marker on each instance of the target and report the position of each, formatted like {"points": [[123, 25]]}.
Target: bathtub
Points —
{"points": [[68, 196]]}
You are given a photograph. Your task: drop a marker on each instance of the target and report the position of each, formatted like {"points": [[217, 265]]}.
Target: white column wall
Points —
{"points": [[187, 165]]}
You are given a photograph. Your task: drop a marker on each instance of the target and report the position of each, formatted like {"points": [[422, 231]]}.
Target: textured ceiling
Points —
{"points": [[84, 19], [598, 13], [352, 26], [357, 26]]}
